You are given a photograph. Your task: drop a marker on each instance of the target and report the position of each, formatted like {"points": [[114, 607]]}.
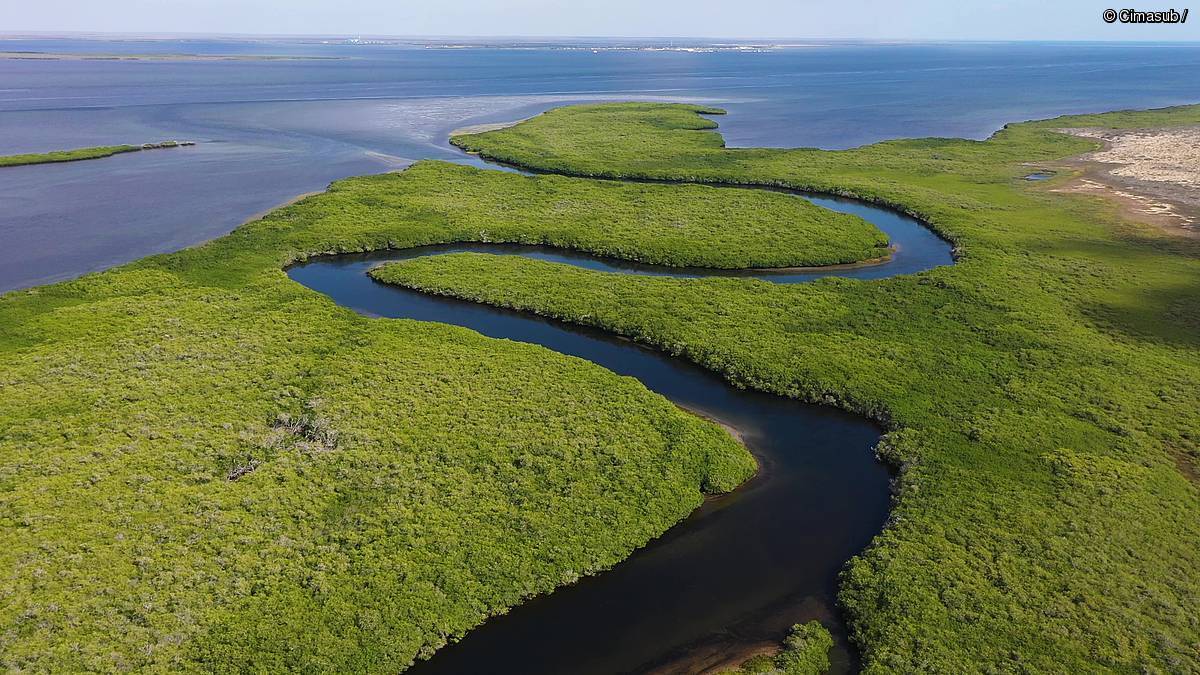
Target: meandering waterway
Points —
{"points": [[738, 572]]}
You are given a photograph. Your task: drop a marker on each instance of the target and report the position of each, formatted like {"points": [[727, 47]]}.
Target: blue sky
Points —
{"points": [[877, 19]]}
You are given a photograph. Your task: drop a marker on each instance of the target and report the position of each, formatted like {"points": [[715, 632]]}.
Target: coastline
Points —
{"points": [[490, 126], [287, 202], [65, 56]]}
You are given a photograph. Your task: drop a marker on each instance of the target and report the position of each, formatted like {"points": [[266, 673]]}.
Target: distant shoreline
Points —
{"points": [[71, 56]]}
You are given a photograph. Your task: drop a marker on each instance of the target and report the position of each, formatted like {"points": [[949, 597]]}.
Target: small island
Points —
{"points": [[79, 154]]}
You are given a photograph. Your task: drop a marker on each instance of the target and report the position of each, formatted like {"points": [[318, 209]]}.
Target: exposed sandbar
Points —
{"points": [[1153, 173]]}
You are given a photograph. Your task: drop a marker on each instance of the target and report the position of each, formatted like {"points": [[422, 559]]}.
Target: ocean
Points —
{"points": [[271, 129]]}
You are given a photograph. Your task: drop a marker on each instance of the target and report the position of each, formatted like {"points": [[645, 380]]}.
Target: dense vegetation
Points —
{"points": [[76, 155], [66, 155], [663, 224], [1043, 392], [208, 465], [805, 652]]}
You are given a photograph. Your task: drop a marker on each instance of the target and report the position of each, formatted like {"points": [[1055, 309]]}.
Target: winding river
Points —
{"points": [[739, 571]]}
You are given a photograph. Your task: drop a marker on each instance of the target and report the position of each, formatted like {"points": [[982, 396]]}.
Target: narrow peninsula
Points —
{"points": [[80, 154]]}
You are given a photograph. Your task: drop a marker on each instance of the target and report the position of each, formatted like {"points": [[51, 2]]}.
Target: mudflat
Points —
{"points": [[1153, 173]]}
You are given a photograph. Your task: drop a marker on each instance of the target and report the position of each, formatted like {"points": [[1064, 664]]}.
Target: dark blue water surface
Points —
{"points": [[273, 129]]}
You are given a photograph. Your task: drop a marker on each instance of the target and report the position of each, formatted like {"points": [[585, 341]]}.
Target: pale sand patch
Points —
{"points": [[397, 163], [494, 126], [1161, 155], [1153, 173], [292, 200]]}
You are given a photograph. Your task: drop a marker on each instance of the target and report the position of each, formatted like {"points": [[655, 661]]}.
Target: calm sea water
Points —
{"points": [[274, 129]]}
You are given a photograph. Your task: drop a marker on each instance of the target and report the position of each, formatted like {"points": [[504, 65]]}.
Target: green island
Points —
{"points": [[805, 652], [79, 154], [211, 467]]}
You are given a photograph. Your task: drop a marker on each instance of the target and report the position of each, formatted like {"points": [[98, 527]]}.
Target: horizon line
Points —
{"points": [[164, 34]]}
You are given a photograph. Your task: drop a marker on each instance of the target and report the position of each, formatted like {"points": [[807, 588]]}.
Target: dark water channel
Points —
{"points": [[738, 572]]}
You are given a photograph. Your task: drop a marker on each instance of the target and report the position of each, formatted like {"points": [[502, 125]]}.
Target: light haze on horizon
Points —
{"points": [[862, 19]]}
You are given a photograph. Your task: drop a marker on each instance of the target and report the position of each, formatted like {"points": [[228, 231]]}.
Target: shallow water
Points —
{"points": [[740, 570], [270, 130]]}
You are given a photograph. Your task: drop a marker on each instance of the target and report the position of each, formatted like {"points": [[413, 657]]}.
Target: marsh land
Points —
{"points": [[214, 467]]}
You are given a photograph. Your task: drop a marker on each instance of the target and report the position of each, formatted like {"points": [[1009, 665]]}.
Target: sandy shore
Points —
{"points": [[1169, 155], [1153, 173], [494, 126], [288, 202]]}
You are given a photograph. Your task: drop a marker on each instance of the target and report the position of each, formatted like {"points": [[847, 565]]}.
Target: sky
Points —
{"points": [[867, 19]]}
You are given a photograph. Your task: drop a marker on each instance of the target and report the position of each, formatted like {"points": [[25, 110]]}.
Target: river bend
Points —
{"points": [[741, 569]]}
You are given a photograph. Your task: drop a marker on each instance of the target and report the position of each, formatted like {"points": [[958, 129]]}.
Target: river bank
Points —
{"points": [[1085, 237], [758, 581]]}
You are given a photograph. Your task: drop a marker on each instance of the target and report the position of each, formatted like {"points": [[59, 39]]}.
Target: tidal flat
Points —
{"points": [[1154, 173]]}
